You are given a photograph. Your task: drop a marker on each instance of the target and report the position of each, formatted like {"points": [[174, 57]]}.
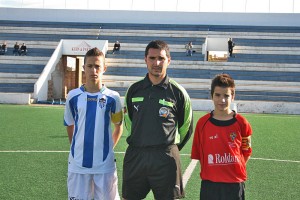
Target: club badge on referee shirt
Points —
{"points": [[102, 102], [164, 112]]}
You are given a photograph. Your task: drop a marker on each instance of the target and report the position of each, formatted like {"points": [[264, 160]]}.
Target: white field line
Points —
{"points": [[268, 159], [33, 151], [118, 152], [265, 159], [188, 172]]}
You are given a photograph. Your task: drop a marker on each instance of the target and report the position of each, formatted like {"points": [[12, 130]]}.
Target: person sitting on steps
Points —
{"points": [[117, 47], [23, 50], [189, 49], [16, 49], [3, 49]]}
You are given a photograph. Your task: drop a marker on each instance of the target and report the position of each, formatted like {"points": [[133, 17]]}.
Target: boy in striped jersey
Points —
{"points": [[89, 111]]}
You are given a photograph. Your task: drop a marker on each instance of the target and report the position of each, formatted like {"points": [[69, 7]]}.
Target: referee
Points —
{"points": [[158, 117]]}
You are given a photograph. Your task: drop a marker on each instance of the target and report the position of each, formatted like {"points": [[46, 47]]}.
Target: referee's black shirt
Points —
{"points": [[157, 115]]}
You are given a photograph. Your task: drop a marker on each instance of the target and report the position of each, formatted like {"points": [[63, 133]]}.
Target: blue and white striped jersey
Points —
{"points": [[91, 114]]}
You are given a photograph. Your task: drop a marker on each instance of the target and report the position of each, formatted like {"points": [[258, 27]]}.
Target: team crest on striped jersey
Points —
{"points": [[102, 102]]}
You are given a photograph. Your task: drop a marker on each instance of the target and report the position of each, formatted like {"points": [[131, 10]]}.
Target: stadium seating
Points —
{"points": [[265, 66], [262, 72]]}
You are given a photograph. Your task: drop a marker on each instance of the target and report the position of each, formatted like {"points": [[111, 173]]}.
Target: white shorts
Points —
{"points": [[93, 186]]}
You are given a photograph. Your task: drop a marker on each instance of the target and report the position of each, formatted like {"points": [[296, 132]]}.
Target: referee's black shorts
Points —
{"points": [[222, 191], [152, 168]]}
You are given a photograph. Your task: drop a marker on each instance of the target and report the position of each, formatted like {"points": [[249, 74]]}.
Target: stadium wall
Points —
{"points": [[150, 17]]}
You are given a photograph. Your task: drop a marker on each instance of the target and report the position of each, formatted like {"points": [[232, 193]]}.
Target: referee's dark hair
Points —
{"points": [[158, 44]]}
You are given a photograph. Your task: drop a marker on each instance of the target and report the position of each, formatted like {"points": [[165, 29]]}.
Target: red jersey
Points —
{"points": [[221, 146]]}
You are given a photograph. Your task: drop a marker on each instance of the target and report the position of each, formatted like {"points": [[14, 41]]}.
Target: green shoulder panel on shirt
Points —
{"points": [[183, 130], [137, 99], [166, 103]]}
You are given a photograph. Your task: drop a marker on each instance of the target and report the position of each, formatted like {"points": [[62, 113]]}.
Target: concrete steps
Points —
{"points": [[7, 59], [195, 75], [48, 30], [141, 47], [183, 64]]}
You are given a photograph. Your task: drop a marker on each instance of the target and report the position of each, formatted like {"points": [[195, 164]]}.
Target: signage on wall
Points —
{"points": [[80, 47], [83, 46]]}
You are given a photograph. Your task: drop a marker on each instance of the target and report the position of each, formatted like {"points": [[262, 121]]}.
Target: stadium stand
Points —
{"points": [[277, 73], [266, 62]]}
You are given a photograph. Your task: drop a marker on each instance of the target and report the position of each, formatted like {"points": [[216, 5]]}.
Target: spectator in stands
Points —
{"points": [[117, 47], [230, 46], [222, 143], [16, 49], [3, 48], [23, 50], [189, 49]]}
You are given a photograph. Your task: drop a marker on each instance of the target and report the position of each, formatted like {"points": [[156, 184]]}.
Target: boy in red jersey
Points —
{"points": [[222, 143]]}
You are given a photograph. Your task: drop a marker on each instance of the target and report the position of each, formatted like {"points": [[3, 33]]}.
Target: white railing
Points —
{"points": [[41, 86]]}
